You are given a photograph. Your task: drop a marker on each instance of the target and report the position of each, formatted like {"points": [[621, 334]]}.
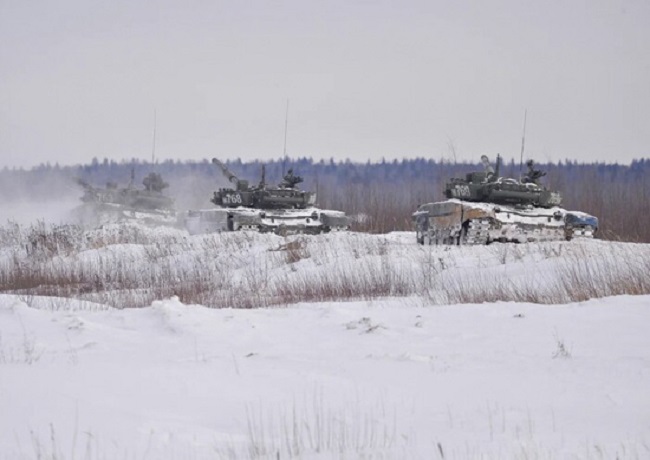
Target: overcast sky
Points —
{"points": [[364, 79]]}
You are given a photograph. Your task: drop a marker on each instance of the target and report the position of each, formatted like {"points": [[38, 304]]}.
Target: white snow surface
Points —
{"points": [[391, 378], [406, 377]]}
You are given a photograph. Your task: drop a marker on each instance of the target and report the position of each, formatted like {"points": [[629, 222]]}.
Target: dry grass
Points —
{"points": [[132, 266]]}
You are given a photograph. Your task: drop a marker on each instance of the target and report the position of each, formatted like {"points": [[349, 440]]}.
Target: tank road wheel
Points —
{"points": [[463, 237], [436, 237], [282, 230], [568, 234], [586, 231], [475, 232], [440, 238]]}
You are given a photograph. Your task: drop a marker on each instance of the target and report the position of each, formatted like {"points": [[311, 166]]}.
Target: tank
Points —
{"points": [[484, 207], [113, 203], [280, 209]]}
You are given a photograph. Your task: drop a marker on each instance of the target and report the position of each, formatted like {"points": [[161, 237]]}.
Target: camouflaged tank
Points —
{"points": [[279, 209], [484, 207], [114, 204]]}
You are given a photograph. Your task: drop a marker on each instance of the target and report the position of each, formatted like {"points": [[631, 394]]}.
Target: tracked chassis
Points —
{"points": [[281, 209], [111, 204], [484, 207], [280, 221], [460, 222], [96, 214]]}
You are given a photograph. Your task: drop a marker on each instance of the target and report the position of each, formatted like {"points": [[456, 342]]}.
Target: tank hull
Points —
{"points": [[462, 222], [279, 221], [96, 214], [117, 204], [283, 209]]}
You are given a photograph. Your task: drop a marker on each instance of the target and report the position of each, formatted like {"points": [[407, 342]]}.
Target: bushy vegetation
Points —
{"points": [[132, 265], [382, 195]]}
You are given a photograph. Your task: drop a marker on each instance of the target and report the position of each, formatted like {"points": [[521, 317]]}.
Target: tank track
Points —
{"points": [[477, 232], [282, 222], [581, 232]]}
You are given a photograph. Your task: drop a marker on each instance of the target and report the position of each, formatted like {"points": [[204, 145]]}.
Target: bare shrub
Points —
{"points": [[27, 352], [367, 278], [134, 266], [315, 429], [295, 250], [584, 277], [561, 350]]}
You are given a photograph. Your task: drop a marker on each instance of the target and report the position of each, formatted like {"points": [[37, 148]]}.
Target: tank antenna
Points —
{"points": [[523, 142], [286, 124], [153, 147]]}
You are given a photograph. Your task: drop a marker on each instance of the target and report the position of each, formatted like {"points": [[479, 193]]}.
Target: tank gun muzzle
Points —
{"points": [[236, 181], [226, 172]]}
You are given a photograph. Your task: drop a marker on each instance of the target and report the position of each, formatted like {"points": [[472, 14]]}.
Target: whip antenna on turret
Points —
{"points": [[153, 146], [286, 124], [523, 142]]}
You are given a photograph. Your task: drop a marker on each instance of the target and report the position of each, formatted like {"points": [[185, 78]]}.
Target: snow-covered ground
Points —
{"points": [[368, 346], [392, 378], [132, 266]]}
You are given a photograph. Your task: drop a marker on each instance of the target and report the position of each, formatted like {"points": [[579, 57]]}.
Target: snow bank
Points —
{"points": [[388, 379]]}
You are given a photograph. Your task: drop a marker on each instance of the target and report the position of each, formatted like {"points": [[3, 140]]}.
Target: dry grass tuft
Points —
{"points": [[131, 266]]}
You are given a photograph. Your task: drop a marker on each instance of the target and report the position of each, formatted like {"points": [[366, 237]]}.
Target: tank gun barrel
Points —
{"points": [[226, 172]]}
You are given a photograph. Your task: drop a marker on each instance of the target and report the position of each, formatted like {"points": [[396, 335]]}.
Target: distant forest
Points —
{"points": [[381, 195]]}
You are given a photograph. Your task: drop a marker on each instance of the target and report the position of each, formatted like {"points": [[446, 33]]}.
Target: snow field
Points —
{"points": [[365, 346], [380, 379]]}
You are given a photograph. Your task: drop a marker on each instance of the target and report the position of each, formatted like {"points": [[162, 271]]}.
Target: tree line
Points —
{"points": [[380, 196]]}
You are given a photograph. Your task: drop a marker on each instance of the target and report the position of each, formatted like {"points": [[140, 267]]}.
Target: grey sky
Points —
{"points": [[365, 79]]}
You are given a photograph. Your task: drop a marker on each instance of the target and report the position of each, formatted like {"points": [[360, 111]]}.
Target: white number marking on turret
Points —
{"points": [[460, 191], [232, 199]]}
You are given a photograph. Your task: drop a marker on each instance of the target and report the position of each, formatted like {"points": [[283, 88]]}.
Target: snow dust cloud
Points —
{"points": [[28, 198]]}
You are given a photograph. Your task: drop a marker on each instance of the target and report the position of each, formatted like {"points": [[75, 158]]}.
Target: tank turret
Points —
{"points": [[280, 209], [484, 207], [154, 183], [113, 203], [285, 196], [489, 187]]}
